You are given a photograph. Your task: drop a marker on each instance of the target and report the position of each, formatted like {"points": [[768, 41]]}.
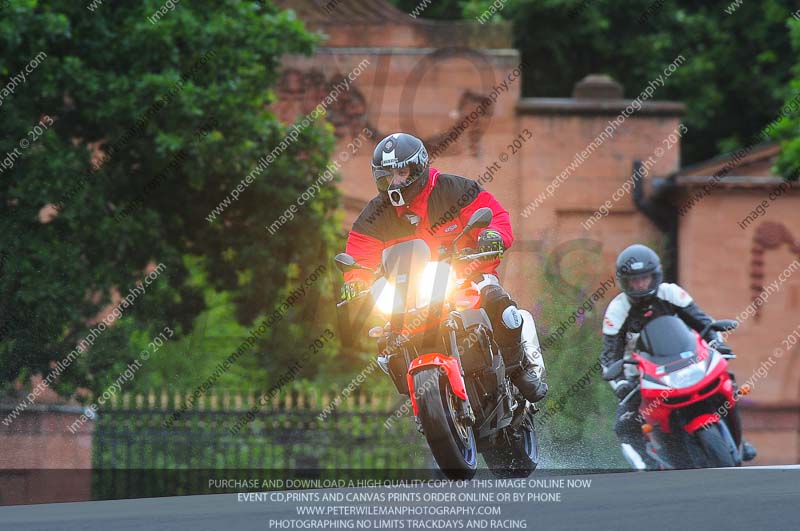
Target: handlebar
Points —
{"points": [[461, 258], [613, 371], [475, 256]]}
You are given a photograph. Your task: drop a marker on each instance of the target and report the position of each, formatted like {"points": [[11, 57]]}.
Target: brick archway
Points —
{"points": [[768, 236], [771, 236]]}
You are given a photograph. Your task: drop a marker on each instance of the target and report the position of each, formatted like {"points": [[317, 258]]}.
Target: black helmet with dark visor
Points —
{"points": [[400, 167], [635, 265]]}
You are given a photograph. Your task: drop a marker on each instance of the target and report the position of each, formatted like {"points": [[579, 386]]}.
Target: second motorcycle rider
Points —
{"points": [[645, 297]]}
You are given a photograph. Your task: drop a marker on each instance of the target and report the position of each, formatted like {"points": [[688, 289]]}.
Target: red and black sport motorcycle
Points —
{"points": [[688, 397], [438, 348]]}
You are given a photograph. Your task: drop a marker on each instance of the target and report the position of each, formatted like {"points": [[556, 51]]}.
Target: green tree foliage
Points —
{"points": [[575, 420], [788, 128], [734, 79], [177, 113]]}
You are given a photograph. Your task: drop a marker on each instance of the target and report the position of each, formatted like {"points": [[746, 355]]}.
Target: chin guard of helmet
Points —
{"points": [[396, 198]]}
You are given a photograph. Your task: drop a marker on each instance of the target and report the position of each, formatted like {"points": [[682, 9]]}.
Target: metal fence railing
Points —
{"points": [[138, 452]]}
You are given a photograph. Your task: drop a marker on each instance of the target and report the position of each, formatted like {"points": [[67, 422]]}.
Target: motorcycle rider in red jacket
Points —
{"points": [[416, 201]]}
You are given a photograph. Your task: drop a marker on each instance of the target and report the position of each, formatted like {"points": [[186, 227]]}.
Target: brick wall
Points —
{"points": [[40, 460]]}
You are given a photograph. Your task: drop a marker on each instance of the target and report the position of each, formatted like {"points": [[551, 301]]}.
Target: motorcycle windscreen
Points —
{"points": [[666, 338], [403, 263], [405, 258]]}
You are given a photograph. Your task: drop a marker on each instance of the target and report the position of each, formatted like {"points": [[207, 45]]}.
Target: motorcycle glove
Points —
{"points": [[351, 290], [724, 349], [721, 347], [490, 240]]}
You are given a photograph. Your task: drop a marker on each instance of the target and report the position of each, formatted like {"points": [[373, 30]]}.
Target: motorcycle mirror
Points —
{"points": [[479, 219], [345, 262], [613, 371]]}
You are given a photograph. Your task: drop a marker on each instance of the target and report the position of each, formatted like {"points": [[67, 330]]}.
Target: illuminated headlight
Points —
{"points": [[383, 293], [434, 284], [686, 377]]}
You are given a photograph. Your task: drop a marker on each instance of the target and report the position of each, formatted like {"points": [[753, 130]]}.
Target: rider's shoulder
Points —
{"points": [[674, 294], [376, 206], [450, 189], [456, 183], [616, 314], [376, 201], [370, 218]]}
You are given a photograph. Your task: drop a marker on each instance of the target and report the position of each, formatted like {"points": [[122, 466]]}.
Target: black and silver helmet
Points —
{"points": [[635, 264], [392, 156]]}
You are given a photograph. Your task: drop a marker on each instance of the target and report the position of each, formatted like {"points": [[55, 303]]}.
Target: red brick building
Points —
{"points": [[740, 255]]}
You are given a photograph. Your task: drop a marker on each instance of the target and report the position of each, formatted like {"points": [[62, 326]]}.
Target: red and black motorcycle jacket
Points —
{"points": [[441, 210]]}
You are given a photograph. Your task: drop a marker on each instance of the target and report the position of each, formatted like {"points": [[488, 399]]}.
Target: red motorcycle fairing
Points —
{"points": [[658, 404], [700, 421], [451, 368]]}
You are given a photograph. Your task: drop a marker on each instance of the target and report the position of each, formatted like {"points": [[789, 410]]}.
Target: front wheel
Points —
{"points": [[452, 442], [717, 450], [516, 453]]}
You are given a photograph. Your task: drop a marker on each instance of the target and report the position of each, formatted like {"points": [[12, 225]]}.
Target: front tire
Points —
{"points": [[515, 454], [717, 451], [452, 443]]}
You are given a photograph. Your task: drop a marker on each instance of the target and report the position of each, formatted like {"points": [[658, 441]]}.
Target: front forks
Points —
{"points": [[465, 409], [408, 351]]}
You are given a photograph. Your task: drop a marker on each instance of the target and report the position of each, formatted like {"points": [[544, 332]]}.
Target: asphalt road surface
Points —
{"points": [[729, 500]]}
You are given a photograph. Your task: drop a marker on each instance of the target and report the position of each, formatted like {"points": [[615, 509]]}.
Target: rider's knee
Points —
{"points": [[503, 313], [628, 424], [495, 300]]}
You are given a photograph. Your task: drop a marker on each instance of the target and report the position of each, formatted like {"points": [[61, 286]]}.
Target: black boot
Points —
{"points": [[522, 374], [748, 451]]}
